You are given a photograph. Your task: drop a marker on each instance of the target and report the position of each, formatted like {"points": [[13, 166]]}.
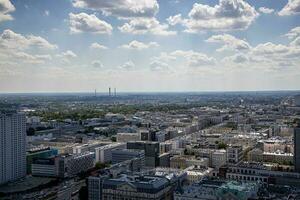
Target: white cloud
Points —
{"points": [[176, 19], [6, 7], [195, 59], [12, 40], [296, 42], [291, 8], [157, 65], [229, 42], [270, 48], [121, 8], [83, 22], [67, 56], [227, 15], [129, 65], [266, 10], [293, 33], [237, 58], [146, 26], [96, 45], [139, 45]]}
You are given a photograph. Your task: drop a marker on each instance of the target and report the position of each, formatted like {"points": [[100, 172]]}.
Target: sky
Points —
{"points": [[149, 45]]}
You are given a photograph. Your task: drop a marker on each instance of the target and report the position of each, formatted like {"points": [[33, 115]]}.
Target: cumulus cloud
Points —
{"points": [[6, 7], [139, 45], [195, 59], [237, 58], [225, 16], [12, 40], [157, 65], [291, 8], [121, 8], [266, 10], [296, 42], [270, 48], [18, 48], [146, 26], [229, 42], [129, 65], [293, 33], [67, 56], [176, 19], [96, 45], [83, 22]]}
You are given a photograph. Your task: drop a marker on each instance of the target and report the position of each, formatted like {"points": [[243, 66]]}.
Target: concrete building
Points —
{"points": [[249, 172], [89, 147], [121, 155], [234, 154], [63, 165], [46, 167], [218, 158], [182, 162], [216, 190], [74, 164], [297, 100], [35, 153], [137, 187], [126, 137], [151, 150], [12, 147], [297, 148], [104, 153]]}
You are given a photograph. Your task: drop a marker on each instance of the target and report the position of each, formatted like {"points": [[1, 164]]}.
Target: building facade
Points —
{"points": [[12, 147], [297, 148]]}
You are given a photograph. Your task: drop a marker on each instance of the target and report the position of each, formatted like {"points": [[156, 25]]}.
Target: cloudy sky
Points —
{"points": [[149, 45]]}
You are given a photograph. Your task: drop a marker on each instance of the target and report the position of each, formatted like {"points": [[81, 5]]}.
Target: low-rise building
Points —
{"points": [[104, 153]]}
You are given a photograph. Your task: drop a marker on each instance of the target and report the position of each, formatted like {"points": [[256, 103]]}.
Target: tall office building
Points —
{"points": [[297, 100], [151, 150], [297, 148], [12, 147]]}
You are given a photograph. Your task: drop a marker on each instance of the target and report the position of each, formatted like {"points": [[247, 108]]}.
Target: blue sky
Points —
{"points": [[149, 45]]}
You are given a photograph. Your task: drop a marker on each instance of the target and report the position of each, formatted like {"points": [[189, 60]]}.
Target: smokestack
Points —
{"points": [[95, 92], [115, 92], [109, 91]]}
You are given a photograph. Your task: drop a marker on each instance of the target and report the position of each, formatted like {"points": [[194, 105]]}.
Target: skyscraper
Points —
{"points": [[297, 148], [12, 147]]}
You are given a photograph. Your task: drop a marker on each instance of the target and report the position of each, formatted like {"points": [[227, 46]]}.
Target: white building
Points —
{"points": [[218, 158], [103, 154], [12, 147], [89, 147]]}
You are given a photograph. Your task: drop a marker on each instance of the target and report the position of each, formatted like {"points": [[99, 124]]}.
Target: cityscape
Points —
{"points": [[149, 99]]}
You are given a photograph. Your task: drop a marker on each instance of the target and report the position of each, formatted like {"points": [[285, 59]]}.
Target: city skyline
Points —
{"points": [[149, 45]]}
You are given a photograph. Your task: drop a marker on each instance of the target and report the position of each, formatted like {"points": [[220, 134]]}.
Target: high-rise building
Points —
{"points": [[151, 150], [12, 147], [297, 100], [297, 148]]}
